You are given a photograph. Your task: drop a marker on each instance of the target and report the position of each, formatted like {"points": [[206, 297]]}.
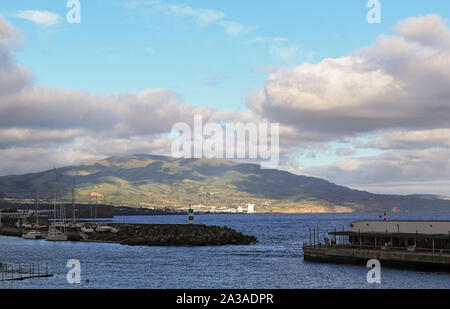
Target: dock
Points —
{"points": [[393, 258], [14, 272], [421, 245]]}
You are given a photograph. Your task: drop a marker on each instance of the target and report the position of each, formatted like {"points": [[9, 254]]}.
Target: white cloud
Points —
{"points": [[438, 187], [61, 126], [202, 17], [10, 37], [233, 28], [12, 76], [45, 18], [345, 152], [284, 53], [10, 137], [428, 166], [260, 39], [280, 49], [408, 139], [396, 83], [430, 30], [392, 95]]}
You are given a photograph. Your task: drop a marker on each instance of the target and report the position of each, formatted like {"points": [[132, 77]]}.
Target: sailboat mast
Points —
{"points": [[62, 211], [37, 208], [62, 207], [73, 201], [55, 186]]}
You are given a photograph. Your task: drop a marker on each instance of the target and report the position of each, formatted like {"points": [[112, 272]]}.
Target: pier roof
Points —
{"points": [[396, 235], [426, 227]]}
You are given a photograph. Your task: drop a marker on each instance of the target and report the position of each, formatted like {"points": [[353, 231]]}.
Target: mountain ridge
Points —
{"points": [[145, 180]]}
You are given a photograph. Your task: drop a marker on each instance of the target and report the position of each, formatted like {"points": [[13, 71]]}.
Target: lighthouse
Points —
{"points": [[191, 215]]}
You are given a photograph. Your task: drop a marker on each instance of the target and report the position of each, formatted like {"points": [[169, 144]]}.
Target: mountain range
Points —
{"points": [[153, 181]]}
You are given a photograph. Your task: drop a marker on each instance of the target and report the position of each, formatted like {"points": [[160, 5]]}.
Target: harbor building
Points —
{"points": [[410, 235], [417, 244]]}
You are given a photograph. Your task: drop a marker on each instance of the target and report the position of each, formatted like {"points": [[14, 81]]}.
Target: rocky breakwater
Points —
{"points": [[173, 235]]}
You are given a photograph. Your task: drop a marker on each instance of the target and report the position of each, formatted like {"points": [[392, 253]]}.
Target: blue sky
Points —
{"points": [[223, 54], [116, 49]]}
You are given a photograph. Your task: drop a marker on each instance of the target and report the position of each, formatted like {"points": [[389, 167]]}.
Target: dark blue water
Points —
{"points": [[276, 262]]}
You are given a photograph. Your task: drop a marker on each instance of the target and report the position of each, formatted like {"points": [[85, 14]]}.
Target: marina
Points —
{"points": [[61, 229]]}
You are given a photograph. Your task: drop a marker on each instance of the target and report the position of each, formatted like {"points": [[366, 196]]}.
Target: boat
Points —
{"points": [[87, 229], [33, 235], [55, 235], [103, 228]]}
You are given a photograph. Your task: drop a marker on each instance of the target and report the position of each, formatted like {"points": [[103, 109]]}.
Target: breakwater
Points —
{"points": [[155, 235], [174, 235]]}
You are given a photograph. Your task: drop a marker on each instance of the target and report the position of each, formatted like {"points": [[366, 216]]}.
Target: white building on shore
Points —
{"points": [[251, 208]]}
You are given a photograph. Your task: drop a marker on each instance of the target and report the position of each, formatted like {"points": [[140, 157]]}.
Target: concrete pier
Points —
{"points": [[390, 258], [416, 244]]}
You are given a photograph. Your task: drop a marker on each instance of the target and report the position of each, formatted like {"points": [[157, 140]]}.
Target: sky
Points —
{"points": [[360, 104]]}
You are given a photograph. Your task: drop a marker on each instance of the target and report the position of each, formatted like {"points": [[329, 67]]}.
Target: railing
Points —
{"points": [[10, 271], [380, 248]]}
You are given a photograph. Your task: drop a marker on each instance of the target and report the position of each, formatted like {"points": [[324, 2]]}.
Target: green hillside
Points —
{"points": [[158, 181]]}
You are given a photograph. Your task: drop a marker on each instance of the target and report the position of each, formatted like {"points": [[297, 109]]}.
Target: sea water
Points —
{"points": [[275, 262]]}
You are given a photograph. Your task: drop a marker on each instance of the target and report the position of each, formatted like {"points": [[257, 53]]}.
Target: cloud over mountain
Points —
{"points": [[393, 95], [64, 126], [402, 81]]}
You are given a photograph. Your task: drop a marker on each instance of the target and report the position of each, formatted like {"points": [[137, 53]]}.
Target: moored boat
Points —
{"points": [[87, 229], [55, 235], [33, 235], [103, 228]]}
